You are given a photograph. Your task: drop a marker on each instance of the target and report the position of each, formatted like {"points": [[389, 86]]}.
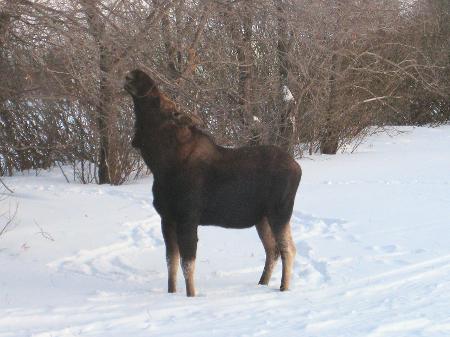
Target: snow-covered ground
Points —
{"points": [[372, 230]]}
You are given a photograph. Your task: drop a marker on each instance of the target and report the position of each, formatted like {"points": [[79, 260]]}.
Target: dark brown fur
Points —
{"points": [[197, 182]]}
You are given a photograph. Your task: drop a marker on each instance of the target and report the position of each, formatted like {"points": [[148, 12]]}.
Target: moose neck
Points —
{"points": [[147, 111], [149, 119]]}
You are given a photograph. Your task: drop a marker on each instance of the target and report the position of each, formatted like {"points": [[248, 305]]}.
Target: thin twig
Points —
{"points": [[62, 171], [7, 188], [45, 235], [9, 221]]}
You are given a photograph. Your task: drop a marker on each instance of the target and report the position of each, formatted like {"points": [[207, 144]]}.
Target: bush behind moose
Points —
{"points": [[349, 66]]}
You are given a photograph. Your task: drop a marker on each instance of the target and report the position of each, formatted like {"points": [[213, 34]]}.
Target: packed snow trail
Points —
{"points": [[373, 255]]}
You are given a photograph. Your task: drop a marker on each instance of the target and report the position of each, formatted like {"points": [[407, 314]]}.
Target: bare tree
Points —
{"points": [[305, 75]]}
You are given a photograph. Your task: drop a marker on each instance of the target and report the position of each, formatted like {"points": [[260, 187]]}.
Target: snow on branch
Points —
{"points": [[287, 94]]}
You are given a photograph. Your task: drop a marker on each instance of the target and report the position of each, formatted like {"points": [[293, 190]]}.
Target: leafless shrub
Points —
{"points": [[346, 65]]}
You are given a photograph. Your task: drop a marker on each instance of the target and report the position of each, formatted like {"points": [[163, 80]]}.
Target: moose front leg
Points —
{"points": [[187, 242], [169, 232]]}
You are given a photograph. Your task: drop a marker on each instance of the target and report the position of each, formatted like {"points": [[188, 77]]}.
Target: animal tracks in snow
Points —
{"points": [[310, 268], [120, 260]]}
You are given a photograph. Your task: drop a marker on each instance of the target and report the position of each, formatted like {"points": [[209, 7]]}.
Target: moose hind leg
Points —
{"points": [[187, 241], [283, 238], [172, 254], [270, 247]]}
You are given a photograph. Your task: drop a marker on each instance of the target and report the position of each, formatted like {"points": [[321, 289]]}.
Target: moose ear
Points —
{"points": [[197, 121], [183, 119]]}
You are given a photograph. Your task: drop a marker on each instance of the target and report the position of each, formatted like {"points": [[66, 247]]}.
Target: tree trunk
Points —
{"points": [[105, 125], [242, 35], [171, 45], [5, 21], [104, 110], [286, 126], [329, 140]]}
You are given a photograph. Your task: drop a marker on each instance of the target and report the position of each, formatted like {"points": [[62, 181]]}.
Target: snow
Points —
{"points": [[287, 94], [373, 255]]}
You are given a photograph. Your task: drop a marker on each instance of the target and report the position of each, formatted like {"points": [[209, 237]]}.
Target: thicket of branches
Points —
{"points": [[306, 75]]}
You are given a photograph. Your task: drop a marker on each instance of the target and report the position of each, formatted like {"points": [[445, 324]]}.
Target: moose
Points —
{"points": [[197, 182]]}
